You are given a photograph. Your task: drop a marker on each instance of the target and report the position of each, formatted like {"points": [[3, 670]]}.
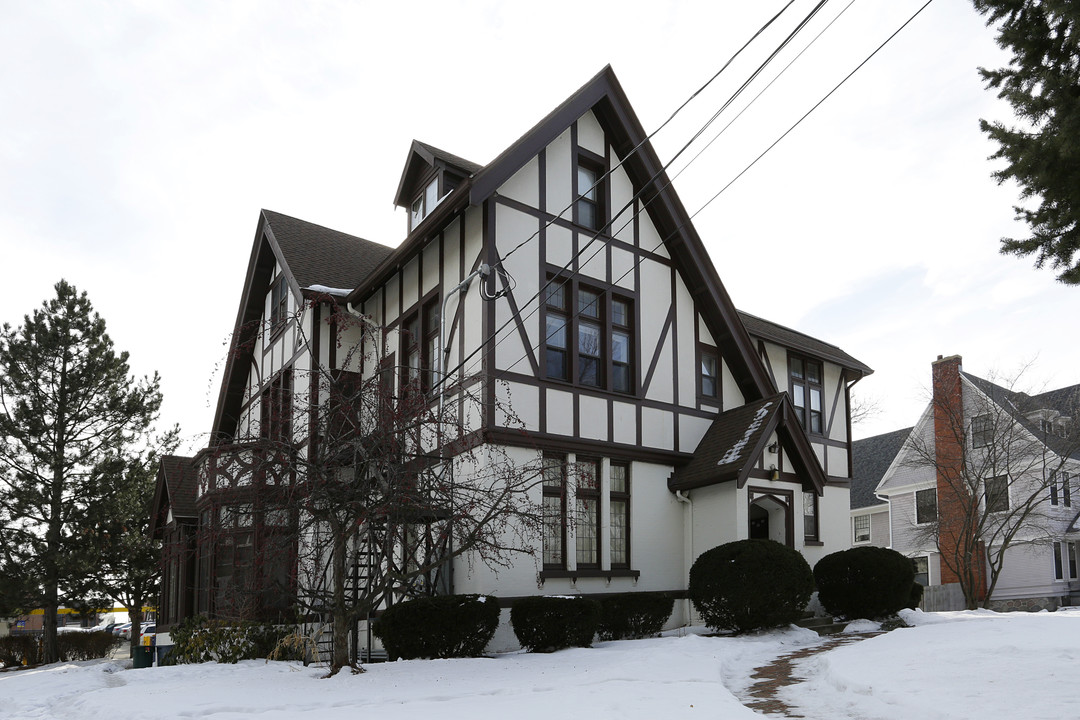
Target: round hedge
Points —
{"points": [[545, 624], [750, 584], [864, 582], [444, 626]]}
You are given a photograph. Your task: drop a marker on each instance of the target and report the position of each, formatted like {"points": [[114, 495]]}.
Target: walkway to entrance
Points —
{"points": [[782, 672]]}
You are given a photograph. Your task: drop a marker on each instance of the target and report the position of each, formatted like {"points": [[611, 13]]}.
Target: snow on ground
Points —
{"points": [[956, 665], [952, 665]]}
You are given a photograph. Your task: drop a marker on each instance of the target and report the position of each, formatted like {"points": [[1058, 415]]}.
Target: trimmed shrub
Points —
{"points": [[916, 596], [750, 584], [198, 640], [445, 626], [86, 645], [633, 615], [545, 624], [864, 582], [17, 650]]}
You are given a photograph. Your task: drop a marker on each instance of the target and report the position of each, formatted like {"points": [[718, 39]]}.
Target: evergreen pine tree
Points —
{"points": [[126, 562], [67, 403], [1042, 83]]}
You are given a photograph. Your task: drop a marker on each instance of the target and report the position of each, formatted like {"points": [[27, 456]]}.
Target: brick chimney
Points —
{"points": [[949, 447]]}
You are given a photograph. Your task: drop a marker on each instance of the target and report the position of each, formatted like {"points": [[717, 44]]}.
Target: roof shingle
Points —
{"points": [[317, 255]]}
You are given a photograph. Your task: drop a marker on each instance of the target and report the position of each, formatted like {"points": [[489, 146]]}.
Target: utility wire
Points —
{"points": [[676, 230], [560, 278], [600, 180]]}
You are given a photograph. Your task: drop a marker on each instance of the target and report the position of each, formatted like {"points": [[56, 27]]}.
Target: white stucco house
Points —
{"points": [[1023, 455], [604, 322]]}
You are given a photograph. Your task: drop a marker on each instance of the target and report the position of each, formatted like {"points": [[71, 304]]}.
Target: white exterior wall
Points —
{"points": [[655, 550]]}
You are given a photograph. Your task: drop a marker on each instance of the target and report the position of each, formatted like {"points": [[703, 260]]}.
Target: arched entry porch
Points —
{"points": [[770, 515]]}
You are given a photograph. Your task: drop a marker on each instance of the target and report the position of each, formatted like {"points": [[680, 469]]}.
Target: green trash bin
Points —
{"points": [[143, 657]]}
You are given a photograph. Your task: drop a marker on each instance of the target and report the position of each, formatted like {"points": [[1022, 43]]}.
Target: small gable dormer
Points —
{"points": [[430, 174]]}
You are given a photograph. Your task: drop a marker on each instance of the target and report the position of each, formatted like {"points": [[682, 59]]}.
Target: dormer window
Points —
{"points": [[424, 204]]}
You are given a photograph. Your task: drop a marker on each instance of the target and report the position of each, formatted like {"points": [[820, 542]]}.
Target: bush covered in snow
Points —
{"points": [[749, 585], [543, 624], [864, 582], [633, 615], [445, 626]]}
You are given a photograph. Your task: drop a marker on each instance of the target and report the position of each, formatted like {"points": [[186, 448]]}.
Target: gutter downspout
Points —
{"points": [[683, 497]]}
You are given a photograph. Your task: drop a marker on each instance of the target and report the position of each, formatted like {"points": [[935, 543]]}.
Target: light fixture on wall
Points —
{"points": [[774, 474], [774, 448]]}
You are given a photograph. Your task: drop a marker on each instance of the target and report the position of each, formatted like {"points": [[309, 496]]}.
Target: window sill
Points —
{"points": [[813, 543], [588, 573], [592, 389]]}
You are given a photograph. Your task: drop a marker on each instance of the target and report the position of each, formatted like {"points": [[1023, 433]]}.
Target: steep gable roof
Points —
{"points": [[317, 255], [801, 342], [310, 255], [176, 485], [422, 157], [603, 95], [870, 458], [1019, 405], [733, 443]]}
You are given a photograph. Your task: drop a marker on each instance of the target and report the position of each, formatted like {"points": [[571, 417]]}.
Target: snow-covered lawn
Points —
{"points": [[951, 665]]}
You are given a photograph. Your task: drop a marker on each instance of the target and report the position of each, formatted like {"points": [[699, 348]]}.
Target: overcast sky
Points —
{"points": [[139, 140]]}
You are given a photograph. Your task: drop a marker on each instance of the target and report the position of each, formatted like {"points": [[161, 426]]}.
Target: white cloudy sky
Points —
{"points": [[138, 141]]}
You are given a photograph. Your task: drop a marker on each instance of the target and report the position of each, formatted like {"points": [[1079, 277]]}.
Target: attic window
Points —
{"points": [[279, 303], [424, 204]]}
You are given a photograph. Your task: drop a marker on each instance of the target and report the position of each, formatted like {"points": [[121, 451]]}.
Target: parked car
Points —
{"points": [[125, 632], [118, 631]]}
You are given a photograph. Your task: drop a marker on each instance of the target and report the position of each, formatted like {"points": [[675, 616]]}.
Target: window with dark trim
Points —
{"points": [[921, 565], [554, 511], [424, 203], [589, 336], [275, 409], [806, 393], [982, 431], [419, 346], [997, 494], [1070, 551], [1053, 487], [810, 508], [1058, 571], [587, 519], [430, 350], [590, 190], [279, 304], [1066, 489], [925, 505], [709, 374], [862, 528], [410, 350], [619, 501]]}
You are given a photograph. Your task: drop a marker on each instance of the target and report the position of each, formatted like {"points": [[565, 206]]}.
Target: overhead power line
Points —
{"points": [[561, 278], [676, 230]]}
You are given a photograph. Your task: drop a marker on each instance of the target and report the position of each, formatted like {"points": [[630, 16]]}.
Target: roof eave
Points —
{"points": [[450, 205]]}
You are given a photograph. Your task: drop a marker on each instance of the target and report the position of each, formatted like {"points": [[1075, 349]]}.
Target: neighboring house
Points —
{"points": [[1022, 455], [700, 425], [177, 527], [871, 458]]}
